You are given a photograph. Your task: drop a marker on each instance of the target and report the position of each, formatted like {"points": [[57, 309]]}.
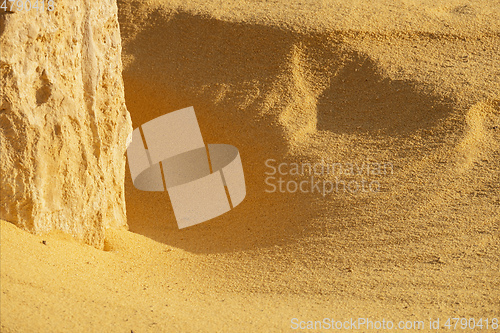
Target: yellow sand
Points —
{"points": [[414, 84]]}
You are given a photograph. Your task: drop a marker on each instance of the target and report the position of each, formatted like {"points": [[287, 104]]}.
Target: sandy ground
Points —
{"points": [[413, 85]]}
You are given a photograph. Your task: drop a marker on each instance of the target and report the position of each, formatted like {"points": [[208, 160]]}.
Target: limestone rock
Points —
{"points": [[63, 119]]}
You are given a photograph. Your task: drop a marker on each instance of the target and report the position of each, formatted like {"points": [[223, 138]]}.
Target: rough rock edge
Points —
{"points": [[63, 119]]}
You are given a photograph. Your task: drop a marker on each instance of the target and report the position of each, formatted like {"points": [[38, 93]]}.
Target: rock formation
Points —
{"points": [[63, 119]]}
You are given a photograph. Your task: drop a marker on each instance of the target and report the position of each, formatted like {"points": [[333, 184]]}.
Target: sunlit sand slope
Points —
{"points": [[418, 105]]}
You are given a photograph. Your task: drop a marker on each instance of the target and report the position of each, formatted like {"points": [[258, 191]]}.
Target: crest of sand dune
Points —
{"points": [[412, 86]]}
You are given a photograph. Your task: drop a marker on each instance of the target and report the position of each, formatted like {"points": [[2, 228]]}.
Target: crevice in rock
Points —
{"points": [[44, 88]]}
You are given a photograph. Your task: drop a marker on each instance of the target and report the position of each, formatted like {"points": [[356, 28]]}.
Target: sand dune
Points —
{"points": [[413, 85]]}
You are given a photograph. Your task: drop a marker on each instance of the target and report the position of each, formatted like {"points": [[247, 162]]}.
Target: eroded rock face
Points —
{"points": [[63, 120]]}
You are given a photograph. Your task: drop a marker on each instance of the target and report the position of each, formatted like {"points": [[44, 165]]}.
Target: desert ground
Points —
{"points": [[407, 94]]}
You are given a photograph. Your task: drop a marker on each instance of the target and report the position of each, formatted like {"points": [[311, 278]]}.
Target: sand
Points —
{"points": [[413, 86]]}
